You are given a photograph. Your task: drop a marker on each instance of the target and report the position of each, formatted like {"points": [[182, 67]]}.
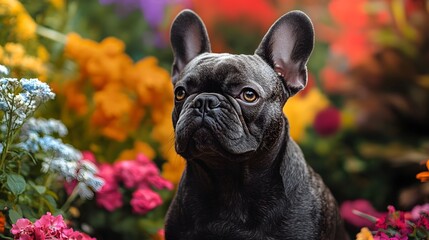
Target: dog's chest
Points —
{"points": [[239, 215]]}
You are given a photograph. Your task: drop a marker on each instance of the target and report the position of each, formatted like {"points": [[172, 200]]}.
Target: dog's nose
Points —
{"points": [[206, 102]]}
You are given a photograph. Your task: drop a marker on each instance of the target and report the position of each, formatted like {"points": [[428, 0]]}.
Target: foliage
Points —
{"points": [[33, 156]]}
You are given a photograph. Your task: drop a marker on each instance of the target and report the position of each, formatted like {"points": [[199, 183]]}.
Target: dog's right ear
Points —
{"points": [[188, 38]]}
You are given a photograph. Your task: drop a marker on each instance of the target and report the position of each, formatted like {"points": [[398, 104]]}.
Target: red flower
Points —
{"points": [[349, 14], [327, 121], [423, 221], [2, 222], [413, 6]]}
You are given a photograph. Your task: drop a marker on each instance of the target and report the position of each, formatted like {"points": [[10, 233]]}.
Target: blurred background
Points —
{"points": [[362, 121]]}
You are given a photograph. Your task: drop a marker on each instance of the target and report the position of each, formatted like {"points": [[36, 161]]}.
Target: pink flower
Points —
{"points": [[109, 196], [140, 173], [75, 235], [51, 224], [361, 205], [417, 210], [145, 200], [22, 227], [89, 156], [160, 183], [129, 172], [143, 159], [47, 227]]}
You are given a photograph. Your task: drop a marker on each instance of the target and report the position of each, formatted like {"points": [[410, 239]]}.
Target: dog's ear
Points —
{"points": [[286, 48], [188, 38]]}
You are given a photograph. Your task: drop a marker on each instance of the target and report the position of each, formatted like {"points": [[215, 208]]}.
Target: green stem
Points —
{"points": [[70, 199], [8, 139], [51, 34]]}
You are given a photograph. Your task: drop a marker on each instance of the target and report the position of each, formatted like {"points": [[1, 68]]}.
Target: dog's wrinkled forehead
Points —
{"points": [[215, 70]]}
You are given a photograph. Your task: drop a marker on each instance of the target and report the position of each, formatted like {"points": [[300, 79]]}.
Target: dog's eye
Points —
{"points": [[180, 94], [249, 95]]}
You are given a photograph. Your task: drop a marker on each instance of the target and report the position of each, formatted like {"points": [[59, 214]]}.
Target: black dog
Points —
{"points": [[245, 177]]}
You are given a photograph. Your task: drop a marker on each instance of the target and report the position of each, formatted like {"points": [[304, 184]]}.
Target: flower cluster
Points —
{"points": [[47, 227], [21, 62], [139, 176], [121, 98], [399, 225], [17, 20], [33, 155], [20, 98]]}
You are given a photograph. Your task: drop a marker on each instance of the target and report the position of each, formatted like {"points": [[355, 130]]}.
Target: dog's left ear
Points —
{"points": [[188, 38], [286, 48]]}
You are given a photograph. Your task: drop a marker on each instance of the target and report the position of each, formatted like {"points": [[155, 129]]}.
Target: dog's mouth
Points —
{"points": [[209, 137]]}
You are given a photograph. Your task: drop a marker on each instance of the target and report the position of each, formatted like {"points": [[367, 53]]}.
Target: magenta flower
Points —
{"points": [[140, 173], [327, 121], [347, 209], [417, 210], [121, 177], [50, 225], [130, 173], [22, 228], [47, 227], [144, 200], [109, 196]]}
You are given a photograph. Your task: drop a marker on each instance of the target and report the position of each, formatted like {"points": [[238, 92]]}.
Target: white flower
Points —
{"points": [[4, 70]]}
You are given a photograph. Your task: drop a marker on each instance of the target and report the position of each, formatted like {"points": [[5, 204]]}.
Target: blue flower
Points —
{"points": [[43, 126], [37, 89]]}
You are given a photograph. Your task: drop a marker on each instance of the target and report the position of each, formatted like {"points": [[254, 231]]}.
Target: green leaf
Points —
{"points": [[39, 188], [14, 215], [150, 225], [15, 183], [50, 202], [5, 237], [5, 204]]}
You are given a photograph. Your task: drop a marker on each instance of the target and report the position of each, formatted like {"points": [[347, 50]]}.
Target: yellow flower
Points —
{"points": [[24, 26], [364, 234], [58, 4], [14, 56], [301, 111], [173, 168], [42, 53]]}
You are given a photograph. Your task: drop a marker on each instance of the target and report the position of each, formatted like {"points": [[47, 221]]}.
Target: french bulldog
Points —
{"points": [[245, 178]]}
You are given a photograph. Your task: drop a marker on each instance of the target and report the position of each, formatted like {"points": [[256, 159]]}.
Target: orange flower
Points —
{"points": [[103, 62], [115, 113], [76, 100], [139, 147], [424, 176], [2, 222]]}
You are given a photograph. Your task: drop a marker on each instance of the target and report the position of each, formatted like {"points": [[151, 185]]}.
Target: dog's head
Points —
{"points": [[230, 106]]}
